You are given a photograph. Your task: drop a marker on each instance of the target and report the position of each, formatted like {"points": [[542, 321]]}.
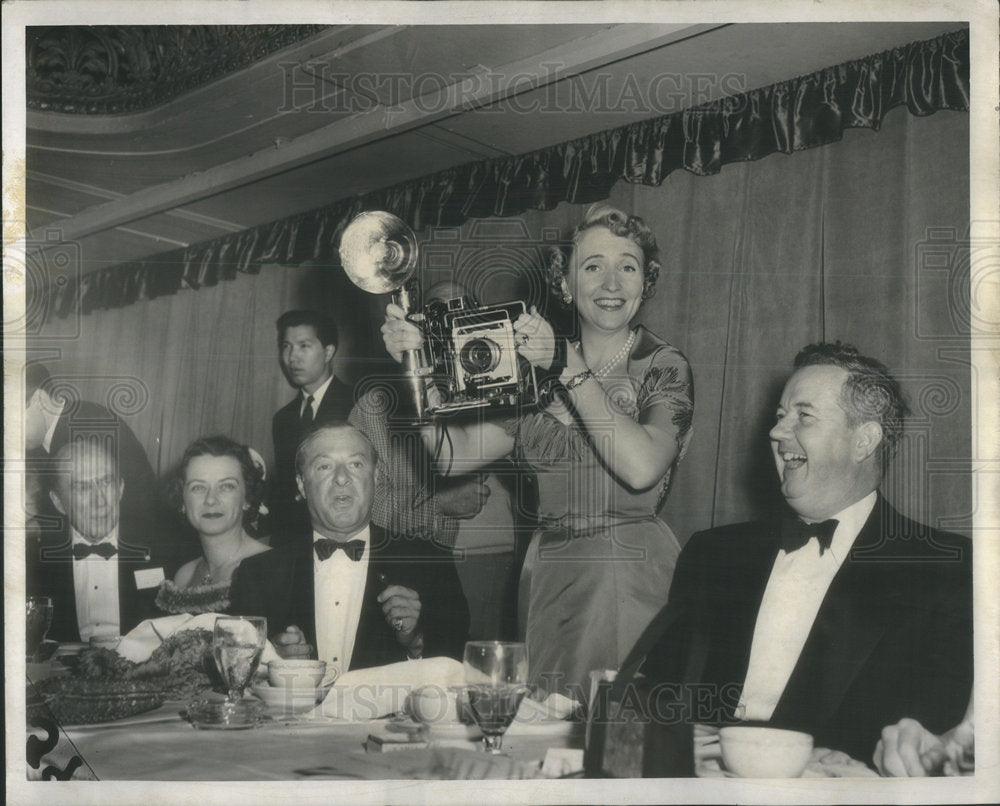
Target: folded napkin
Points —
{"points": [[553, 707], [139, 644], [381, 690]]}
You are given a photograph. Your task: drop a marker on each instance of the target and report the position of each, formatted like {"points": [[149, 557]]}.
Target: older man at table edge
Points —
{"points": [[362, 596], [102, 566], [845, 619], [54, 414]]}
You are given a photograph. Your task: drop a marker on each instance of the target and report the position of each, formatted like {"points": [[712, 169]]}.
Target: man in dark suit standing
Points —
{"points": [[844, 616], [307, 343], [357, 594], [101, 570]]}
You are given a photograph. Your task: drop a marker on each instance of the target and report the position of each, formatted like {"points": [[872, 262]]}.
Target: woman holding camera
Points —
{"points": [[603, 449]]}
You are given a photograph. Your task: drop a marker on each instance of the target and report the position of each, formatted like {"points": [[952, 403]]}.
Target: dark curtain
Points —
{"points": [[862, 240], [787, 117]]}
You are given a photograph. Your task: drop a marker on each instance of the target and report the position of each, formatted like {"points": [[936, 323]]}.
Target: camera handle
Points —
{"points": [[414, 367]]}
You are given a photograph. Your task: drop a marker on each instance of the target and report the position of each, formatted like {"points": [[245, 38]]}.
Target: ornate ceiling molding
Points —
{"points": [[117, 69]]}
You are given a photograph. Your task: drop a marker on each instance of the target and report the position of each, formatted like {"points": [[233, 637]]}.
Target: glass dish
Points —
{"points": [[223, 715]]}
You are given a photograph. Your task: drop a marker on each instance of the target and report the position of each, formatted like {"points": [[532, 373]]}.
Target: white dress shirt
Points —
{"points": [[95, 582], [317, 397], [795, 590], [339, 593]]}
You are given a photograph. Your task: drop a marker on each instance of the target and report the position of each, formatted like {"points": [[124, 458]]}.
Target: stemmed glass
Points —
{"points": [[38, 612], [237, 644], [496, 677]]}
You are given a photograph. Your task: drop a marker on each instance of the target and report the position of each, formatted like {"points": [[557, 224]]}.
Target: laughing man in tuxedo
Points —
{"points": [[358, 594], [101, 570], [307, 343], [844, 616]]}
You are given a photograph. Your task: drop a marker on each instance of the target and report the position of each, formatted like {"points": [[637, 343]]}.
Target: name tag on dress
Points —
{"points": [[148, 578]]}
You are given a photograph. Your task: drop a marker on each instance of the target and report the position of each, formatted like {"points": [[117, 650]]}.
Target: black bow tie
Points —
{"points": [[325, 547], [83, 550], [795, 533]]}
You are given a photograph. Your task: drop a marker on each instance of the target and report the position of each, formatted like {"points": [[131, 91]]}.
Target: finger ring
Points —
{"points": [[524, 338], [397, 624]]}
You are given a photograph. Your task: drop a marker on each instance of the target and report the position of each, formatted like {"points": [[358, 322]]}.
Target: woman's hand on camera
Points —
{"points": [[535, 339], [398, 334]]}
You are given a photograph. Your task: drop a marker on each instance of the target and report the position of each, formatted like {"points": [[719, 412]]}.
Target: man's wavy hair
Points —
{"points": [[331, 425], [869, 394], [618, 223], [253, 479]]}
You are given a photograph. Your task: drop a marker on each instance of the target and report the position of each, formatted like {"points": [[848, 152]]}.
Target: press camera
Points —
{"points": [[469, 349], [472, 351]]}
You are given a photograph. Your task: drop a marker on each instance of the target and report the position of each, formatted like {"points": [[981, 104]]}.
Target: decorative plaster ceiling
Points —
{"points": [[113, 69], [344, 110]]}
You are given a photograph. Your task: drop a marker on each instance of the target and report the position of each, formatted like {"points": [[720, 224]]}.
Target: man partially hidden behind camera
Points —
{"points": [[845, 616], [474, 514], [356, 593], [307, 344]]}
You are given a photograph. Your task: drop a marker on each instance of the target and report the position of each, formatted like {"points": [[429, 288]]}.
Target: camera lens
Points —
{"points": [[479, 355]]}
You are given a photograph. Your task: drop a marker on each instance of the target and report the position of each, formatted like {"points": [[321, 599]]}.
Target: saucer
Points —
{"points": [[286, 700]]}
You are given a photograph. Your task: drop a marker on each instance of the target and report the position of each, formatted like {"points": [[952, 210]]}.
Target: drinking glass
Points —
{"points": [[38, 611], [237, 645], [496, 678]]}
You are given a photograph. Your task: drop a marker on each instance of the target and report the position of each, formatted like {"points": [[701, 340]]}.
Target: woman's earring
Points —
{"points": [[567, 298]]}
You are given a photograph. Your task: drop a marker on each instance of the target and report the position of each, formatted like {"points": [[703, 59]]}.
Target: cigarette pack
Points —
{"points": [[395, 737]]}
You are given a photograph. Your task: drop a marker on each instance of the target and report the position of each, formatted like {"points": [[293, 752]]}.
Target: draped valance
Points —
{"points": [[792, 115]]}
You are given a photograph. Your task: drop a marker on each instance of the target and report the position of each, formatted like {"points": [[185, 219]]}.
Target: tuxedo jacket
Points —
{"points": [[892, 638], [49, 561], [289, 519], [278, 585]]}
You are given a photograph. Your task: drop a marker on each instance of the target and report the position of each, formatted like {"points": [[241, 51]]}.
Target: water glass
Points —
{"points": [[496, 678]]}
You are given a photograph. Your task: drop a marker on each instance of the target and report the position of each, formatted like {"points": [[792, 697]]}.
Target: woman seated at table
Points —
{"points": [[218, 488], [600, 565]]}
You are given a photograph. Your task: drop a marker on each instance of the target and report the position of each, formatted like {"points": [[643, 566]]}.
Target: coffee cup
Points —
{"points": [[762, 752], [301, 675]]}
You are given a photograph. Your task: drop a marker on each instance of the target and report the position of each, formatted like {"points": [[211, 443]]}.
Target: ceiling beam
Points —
{"points": [[489, 85]]}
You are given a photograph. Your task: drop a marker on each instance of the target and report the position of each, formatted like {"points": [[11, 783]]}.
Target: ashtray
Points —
{"points": [[223, 715]]}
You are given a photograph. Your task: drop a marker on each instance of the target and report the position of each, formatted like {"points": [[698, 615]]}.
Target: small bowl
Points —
{"points": [[304, 675], [433, 704], [752, 752]]}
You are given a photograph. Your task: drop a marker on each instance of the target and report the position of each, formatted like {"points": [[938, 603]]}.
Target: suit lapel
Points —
{"points": [[375, 644], [336, 403], [57, 559], [303, 596], [855, 614], [743, 591]]}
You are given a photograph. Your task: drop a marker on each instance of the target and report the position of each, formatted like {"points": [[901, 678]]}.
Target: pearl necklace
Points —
{"points": [[616, 359], [207, 578]]}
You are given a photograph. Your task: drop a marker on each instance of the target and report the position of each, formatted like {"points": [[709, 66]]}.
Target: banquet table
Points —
{"points": [[161, 745]]}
